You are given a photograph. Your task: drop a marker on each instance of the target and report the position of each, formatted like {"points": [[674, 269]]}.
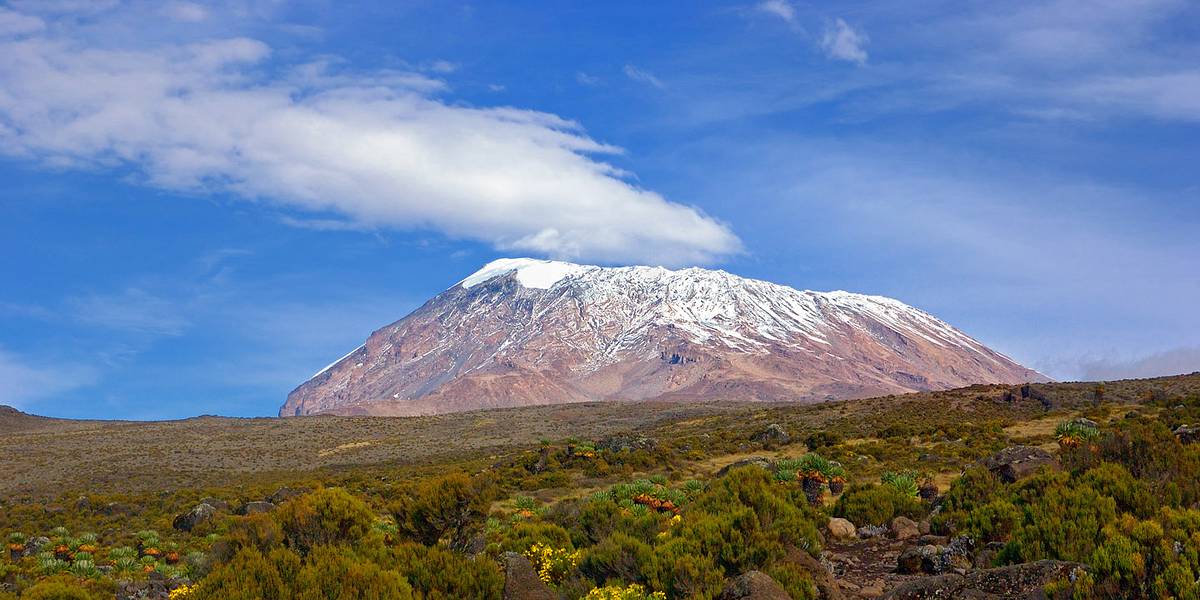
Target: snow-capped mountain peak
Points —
{"points": [[529, 331]]}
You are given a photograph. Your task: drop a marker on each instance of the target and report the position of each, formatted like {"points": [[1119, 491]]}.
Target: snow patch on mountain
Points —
{"points": [[531, 273]]}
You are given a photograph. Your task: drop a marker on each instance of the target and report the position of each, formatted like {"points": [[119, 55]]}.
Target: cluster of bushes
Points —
{"points": [[331, 544], [61, 557], [1124, 505]]}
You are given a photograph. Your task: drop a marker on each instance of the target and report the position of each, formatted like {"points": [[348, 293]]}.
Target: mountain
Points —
{"points": [[522, 332]]}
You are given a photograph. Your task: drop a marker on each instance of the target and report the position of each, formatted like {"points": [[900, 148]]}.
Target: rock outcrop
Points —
{"points": [[1013, 582], [1018, 462]]}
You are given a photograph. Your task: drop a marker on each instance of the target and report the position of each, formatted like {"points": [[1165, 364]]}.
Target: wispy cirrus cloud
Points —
{"points": [[779, 8], [27, 381], [643, 76], [843, 42], [131, 310], [380, 149]]}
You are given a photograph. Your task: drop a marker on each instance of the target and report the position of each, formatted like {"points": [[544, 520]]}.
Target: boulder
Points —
{"points": [[1188, 434], [904, 528], [284, 494], [1015, 582], [758, 461], [827, 587], [841, 529], [912, 559], [1018, 462], [618, 443], [521, 581], [216, 503], [753, 585], [252, 508], [773, 435], [35, 545], [189, 520], [117, 508]]}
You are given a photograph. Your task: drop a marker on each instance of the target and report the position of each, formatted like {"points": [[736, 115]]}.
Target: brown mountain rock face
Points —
{"points": [[522, 332]]}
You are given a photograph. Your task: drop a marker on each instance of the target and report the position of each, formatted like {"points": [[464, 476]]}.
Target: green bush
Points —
{"points": [[1062, 523], [440, 574], [451, 508], [876, 505], [992, 522], [249, 576], [62, 588], [324, 517], [334, 574]]}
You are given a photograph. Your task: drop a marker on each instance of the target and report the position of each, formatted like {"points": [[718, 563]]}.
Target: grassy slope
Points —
{"points": [[49, 457]]}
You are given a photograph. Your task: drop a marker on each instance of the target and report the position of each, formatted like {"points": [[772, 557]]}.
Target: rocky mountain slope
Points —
{"points": [[523, 332]]}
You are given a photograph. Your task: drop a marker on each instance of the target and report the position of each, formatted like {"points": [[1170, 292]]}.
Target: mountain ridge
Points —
{"points": [[527, 331]]}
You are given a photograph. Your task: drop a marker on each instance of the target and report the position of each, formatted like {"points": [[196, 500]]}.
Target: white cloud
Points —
{"points": [[26, 382], [1178, 361], [379, 148], [585, 79], [132, 310], [441, 67], [780, 8], [843, 42], [643, 76], [15, 23], [187, 12]]}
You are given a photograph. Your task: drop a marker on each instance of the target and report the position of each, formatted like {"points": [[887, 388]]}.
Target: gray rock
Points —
{"points": [[188, 521], [521, 581], [757, 461], [1188, 434], [903, 528], [253, 508], [1018, 462], [117, 508], [773, 435], [216, 503], [841, 529], [618, 443], [753, 585], [1013, 582], [284, 494]]}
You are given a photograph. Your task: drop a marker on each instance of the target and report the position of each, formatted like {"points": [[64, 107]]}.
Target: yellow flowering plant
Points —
{"points": [[632, 591], [552, 564]]}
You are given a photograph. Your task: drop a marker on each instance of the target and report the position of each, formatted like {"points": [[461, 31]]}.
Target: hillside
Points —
{"points": [[523, 332], [453, 506]]}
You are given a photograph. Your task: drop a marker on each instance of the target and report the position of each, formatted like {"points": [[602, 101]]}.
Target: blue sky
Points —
{"points": [[203, 203]]}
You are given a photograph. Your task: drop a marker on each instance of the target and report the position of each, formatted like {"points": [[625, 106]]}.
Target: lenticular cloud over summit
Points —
{"points": [[380, 149]]}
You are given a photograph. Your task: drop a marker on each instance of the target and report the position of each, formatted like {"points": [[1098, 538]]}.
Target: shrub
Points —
{"points": [[333, 574], [992, 522], [451, 507], [875, 505], [259, 531], [440, 574], [619, 557], [1063, 522], [61, 588], [249, 576], [324, 517]]}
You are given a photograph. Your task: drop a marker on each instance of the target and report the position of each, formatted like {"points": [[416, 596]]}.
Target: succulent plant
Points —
{"points": [[126, 564], [1074, 433], [903, 481], [51, 565], [85, 569]]}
